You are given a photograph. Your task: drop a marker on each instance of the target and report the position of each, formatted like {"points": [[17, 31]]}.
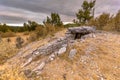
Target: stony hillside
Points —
{"points": [[94, 56]]}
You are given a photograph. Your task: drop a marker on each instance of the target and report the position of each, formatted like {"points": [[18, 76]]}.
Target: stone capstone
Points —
{"points": [[78, 32], [83, 29]]}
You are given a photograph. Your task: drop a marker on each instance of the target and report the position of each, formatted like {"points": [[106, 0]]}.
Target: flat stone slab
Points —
{"points": [[81, 30]]}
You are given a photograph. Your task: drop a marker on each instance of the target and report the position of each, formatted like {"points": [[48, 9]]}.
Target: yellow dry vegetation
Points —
{"points": [[96, 59], [11, 69], [12, 74]]}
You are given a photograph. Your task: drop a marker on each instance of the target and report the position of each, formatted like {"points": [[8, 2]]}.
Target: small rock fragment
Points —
{"points": [[62, 50], [52, 57], [40, 67], [72, 53], [64, 45], [29, 60]]}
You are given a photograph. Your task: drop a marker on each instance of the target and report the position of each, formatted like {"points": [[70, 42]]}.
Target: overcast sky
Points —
{"points": [[20, 11]]}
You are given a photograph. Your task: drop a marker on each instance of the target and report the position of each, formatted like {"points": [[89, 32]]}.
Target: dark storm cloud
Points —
{"points": [[45, 6], [11, 19], [38, 9]]}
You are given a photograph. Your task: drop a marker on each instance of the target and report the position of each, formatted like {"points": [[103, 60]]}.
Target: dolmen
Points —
{"points": [[78, 32]]}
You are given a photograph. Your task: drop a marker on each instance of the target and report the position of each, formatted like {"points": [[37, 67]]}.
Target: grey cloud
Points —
{"points": [[46, 6], [39, 9], [11, 19]]}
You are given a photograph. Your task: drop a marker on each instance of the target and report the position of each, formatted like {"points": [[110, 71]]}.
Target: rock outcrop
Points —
{"points": [[58, 47], [72, 53]]}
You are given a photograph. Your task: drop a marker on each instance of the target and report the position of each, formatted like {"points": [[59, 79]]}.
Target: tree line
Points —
{"points": [[54, 20]]}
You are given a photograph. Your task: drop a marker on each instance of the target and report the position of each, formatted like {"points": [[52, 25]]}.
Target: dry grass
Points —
{"points": [[12, 74], [96, 58], [8, 34], [7, 50], [11, 69]]}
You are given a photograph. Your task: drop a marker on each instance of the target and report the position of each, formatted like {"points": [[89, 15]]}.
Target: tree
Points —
{"points": [[103, 20], [26, 27], [86, 13], [54, 20], [30, 26], [4, 28], [117, 21]]}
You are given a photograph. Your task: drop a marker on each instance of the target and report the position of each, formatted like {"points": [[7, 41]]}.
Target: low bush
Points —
{"points": [[41, 31], [8, 34], [26, 33], [32, 37], [19, 42], [106, 22], [6, 51]]}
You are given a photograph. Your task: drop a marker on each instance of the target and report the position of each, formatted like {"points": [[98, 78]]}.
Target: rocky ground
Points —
{"points": [[93, 57]]}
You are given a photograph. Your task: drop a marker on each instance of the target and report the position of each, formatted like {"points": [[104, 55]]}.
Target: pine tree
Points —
{"points": [[54, 19], [117, 21], [86, 13]]}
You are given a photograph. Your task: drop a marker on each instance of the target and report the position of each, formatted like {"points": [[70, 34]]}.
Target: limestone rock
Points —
{"points": [[62, 50], [52, 57], [72, 53], [29, 60], [40, 67], [83, 29], [88, 36]]}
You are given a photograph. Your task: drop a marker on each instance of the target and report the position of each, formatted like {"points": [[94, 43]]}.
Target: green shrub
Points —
{"points": [[32, 37], [41, 31], [50, 28]]}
